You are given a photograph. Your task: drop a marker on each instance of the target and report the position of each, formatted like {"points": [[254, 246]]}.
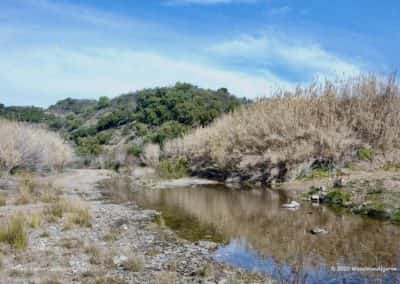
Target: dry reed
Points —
{"points": [[329, 120]]}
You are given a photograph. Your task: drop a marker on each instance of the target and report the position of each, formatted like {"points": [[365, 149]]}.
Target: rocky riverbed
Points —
{"points": [[116, 242]]}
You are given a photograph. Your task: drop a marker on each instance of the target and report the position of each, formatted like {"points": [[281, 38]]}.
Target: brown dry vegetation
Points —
{"points": [[330, 121], [31, 147]]}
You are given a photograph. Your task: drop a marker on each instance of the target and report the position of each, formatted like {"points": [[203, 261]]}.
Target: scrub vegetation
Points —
{"points": [[25, 146], [336, 122]]}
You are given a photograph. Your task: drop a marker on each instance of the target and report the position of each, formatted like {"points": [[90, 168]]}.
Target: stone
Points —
{"points": [[292, 204], [318, 231], [119, 259], [315, 198], [338, 182]]}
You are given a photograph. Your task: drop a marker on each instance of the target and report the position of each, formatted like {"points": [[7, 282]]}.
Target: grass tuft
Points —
{"points": [[172, 169], [14, 232], [134, 264]]}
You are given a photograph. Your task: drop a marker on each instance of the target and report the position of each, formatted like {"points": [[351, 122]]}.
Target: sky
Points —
{"points": [[53, 49]]}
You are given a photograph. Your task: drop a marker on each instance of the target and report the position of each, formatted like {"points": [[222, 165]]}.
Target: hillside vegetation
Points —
{"points": [[111, 130], [277, 138], [24, 146]]}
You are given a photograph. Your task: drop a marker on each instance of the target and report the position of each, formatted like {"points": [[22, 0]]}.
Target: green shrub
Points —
{"points": [[396, 216], [172, 169], [339, 196], [89, 146], [168, 130], [114, 119], [103, 102], [104, 137], [135, 150], [365, 154]]}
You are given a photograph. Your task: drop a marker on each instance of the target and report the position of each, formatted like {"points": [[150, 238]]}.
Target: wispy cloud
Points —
{"points": [[274, 49], [51, 73]]}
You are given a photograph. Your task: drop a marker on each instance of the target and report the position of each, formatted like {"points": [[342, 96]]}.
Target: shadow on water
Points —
{"points": [[256, 233]]}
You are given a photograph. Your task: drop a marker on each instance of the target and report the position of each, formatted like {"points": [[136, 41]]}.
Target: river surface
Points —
{"points": [[257, 234]]}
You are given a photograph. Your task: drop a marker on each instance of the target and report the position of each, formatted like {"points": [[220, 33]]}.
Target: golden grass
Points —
{"points": [[35, 220], [31, 191], [75, 212], [31, 147], [14, 232], [3, 199], [330, 121]]}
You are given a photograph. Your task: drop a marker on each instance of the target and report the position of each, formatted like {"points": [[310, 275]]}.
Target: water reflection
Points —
{"points": [[260, 235]]}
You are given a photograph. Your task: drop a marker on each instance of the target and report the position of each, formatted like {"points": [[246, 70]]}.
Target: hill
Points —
{"points": [[126, 123]]}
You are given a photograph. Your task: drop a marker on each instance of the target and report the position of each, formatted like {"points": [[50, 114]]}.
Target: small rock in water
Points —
{"points": [[315, 198], [292, 204], [318, 231]]}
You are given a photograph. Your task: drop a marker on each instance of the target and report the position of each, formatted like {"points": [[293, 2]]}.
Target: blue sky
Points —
{"points": [[52, 49]]}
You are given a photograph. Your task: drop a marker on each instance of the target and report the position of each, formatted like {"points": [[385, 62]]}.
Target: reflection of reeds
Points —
{"points": [[283, 234]]}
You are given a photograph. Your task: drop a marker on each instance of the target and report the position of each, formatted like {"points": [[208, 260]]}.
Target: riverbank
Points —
{"points": [[374, 193], [72, 234]]}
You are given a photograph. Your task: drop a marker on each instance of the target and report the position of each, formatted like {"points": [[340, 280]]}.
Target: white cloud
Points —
{"points": [[46, 74], [274, 49]]}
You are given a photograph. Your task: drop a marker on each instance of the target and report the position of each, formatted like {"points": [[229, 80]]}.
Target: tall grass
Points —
{"points": [[329, 120], [31, 147]]}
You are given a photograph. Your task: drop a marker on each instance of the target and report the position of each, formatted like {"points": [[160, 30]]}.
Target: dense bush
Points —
{"points": [[30, 147], [114, 119], [329, 121], [26, 114], [183, 103]]}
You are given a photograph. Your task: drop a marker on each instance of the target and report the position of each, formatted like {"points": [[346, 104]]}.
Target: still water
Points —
{"points": [[257, 234]]}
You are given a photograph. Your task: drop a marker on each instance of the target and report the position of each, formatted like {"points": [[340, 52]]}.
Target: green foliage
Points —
{"points": [[104, 137], [395, 217], [339, 196], [89, 146], [75, 106], [27, 114], [173, 169], [114, 119], [141, 129], [135, 150], [365, 154], [168, 130], [83, 132], [103, 102], [183, 103]]}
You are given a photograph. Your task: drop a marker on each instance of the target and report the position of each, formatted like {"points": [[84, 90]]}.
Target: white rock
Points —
{"points": [[119, 259], [292, 204]]}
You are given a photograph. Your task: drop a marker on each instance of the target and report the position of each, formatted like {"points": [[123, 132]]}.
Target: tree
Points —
{"points": [[103, 102]]}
